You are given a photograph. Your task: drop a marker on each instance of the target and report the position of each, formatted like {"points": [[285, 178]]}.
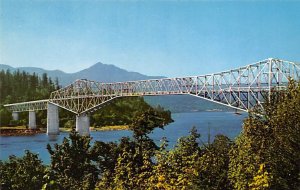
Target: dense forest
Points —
{"points": [[266, 155], [21, 86]]}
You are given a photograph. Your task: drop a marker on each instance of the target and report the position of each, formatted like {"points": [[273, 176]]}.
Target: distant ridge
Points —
{"points": [[97, 72]]}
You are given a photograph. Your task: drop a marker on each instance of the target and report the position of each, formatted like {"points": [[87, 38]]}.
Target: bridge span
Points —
{"points": [[244, 88]]}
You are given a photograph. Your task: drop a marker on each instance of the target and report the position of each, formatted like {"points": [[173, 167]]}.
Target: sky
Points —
{"points": [[166, 38]]}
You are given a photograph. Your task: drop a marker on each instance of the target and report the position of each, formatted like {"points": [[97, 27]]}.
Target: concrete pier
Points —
{"points": [[52, 119], [32, 120], [83, 124], [15, 116]]}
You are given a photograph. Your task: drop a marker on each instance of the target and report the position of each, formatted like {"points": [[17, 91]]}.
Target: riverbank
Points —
{"points": [[103, 128], [111, 128], [20, 131], [23, 131]]}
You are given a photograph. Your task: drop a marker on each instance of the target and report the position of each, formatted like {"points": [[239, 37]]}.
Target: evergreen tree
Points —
{"points": [[21, 86]]}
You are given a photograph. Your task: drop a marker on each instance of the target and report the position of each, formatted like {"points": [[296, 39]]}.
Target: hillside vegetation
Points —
{"points": [[19, 87]]}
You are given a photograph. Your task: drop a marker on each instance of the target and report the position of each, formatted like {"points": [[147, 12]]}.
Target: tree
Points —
{"points": [[145, 122], [271, 141], [175, 168], [72, 163], [5, 116], [18, 87], [22, 173], [213, 164], [262, 179], [132, 165], [285, 151]]}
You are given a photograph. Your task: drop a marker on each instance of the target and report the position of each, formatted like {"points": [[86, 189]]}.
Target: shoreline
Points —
{"points": [[20, 132], [23, 131]]}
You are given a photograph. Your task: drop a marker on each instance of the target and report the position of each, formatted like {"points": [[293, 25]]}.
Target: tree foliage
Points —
{"points": [[271, 141], [19, 87], [22, 173], [123, 111], [71, 163]]}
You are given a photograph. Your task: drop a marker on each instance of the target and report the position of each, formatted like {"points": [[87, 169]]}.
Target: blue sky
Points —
{"points": [[168, 38]]}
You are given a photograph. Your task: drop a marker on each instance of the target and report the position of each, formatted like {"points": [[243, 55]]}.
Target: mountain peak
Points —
{"points": [[100, 64]]}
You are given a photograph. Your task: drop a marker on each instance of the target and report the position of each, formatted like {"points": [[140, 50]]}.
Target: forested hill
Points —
{"points": [[21, 86]]}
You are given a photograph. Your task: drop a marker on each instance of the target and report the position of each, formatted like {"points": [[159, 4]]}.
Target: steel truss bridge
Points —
{"points": [[244, 88]]}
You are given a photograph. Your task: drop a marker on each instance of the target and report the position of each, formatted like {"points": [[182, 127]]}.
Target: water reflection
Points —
{"points": [[52, 137]]}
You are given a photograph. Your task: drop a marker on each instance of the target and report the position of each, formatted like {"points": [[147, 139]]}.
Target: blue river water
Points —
{"points": [[207, 124]]}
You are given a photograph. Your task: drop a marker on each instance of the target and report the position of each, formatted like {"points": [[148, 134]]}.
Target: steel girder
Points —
{"points": [[28, 106], [244, 88]]}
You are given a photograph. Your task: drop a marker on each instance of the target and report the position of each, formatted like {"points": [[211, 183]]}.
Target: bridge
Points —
{"points": [[245, 88]]}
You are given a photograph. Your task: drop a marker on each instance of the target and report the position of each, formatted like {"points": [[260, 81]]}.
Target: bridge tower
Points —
{"points": [[32, 120], [52, 119], [83, 124], [15, 115]]}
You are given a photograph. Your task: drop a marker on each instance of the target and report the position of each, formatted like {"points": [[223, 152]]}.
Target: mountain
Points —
{"points": [[98, 72]]}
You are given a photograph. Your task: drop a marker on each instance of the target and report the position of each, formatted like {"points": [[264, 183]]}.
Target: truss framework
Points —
{"points": [[28, 106], [244, 88]]}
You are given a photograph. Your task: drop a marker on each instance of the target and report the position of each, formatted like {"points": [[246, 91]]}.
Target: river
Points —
{"points": [[206, 122]]}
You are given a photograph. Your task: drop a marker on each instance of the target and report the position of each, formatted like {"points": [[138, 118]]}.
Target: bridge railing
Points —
{"points": [[28, 106]]}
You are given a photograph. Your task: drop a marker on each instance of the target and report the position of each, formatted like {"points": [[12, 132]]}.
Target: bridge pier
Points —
{"points": [[15, 116], [32, 120], [83, 124], [52, 119]]}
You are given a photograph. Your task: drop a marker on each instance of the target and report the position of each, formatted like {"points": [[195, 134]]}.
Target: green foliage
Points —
{"points": [[243, 163], [22, 173], [133, 167], [175, 169], [272, 140], [144, 122], [262, 179], [5, 116], [122, 111], [71, 163], [133, 164], [285, 151], [213, 165], [119, 111], [20, 87]]}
